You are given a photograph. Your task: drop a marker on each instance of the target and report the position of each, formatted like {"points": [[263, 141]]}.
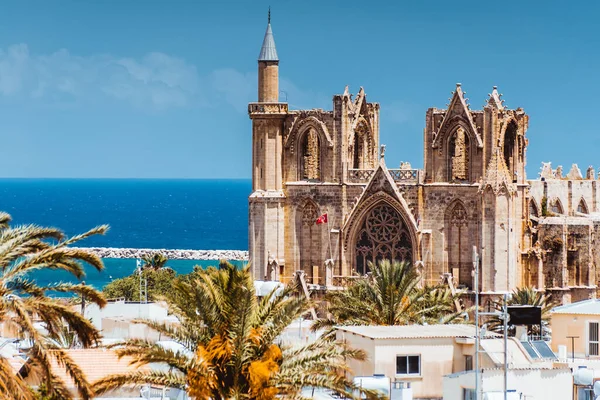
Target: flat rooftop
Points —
{"points": [[413, 331]]}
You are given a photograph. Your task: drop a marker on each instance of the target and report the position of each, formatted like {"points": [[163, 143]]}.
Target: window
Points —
{"points": [[408, 365], [593, 338], [469, 394], [468, 363]]}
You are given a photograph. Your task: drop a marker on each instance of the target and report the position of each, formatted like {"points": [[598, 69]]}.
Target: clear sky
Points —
{"points": [[158, 89]]}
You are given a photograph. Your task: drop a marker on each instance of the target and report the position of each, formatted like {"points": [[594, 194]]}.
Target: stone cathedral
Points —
{"points": [[471, 192]]}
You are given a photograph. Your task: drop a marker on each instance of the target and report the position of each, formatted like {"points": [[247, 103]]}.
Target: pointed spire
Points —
{"points": [[268, 52], [494, 99], [458, 107]]}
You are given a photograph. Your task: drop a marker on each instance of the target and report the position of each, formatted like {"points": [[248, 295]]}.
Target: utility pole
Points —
{"points": [[505, 318], [505, 315], [476, 288]]}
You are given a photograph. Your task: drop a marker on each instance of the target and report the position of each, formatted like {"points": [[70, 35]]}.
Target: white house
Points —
{"points": [[418, 355]]}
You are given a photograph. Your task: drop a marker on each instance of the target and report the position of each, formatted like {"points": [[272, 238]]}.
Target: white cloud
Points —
{"points": [[237, 89], [156, 81]]}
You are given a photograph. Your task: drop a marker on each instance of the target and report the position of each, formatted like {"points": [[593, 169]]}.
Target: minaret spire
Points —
{"points": [[268, 52]]}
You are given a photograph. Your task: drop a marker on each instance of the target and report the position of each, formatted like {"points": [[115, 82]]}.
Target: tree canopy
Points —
{"points": [[391, 295], [23, 251], [228, 343]]}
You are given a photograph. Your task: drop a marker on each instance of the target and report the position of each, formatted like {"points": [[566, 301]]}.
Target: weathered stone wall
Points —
{"points": [[445, 242]]}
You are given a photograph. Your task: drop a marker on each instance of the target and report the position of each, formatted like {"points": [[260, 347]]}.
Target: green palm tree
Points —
{"points": [[525, 296], [229, 346], [390, 296], [155, 261], [25, 250]]}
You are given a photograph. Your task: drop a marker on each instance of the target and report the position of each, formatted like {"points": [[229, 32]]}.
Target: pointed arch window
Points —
{"points": [[309, 237], [510, 147], [533, 209], [382, 236], [556, 207], [582, 207], [310, 161], [458, 243], [458, 155], [361, 149]]}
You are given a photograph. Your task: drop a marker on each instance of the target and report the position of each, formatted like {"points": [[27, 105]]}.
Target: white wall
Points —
{"points": [[437, 359], [534, 384], [120, 309]]}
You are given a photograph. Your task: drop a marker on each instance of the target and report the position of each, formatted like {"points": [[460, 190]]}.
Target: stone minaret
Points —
{"points": [[268, 69], [266, 212]]}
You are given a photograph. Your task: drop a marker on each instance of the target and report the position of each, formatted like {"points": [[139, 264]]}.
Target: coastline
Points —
{"points": [[171, 254]]}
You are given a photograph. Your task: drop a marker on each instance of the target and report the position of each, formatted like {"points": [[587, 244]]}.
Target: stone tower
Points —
{"points": [[266, 201]]}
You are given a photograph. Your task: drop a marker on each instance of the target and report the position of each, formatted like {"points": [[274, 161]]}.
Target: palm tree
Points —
{"points": [[228, 344], [25, 250], [155, 261], [525, 296], [390, 296]]}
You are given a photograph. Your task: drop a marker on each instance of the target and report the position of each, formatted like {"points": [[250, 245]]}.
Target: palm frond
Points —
{"points": [[138, 378]]}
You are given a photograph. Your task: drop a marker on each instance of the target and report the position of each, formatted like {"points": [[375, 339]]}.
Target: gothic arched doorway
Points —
{"points": [[382, 235]]}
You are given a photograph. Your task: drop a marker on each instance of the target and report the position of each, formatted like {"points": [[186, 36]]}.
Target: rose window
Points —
{"points": [[383, 235]]}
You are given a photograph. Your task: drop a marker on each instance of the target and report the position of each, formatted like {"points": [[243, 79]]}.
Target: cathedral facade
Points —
{"points": [[324, 201]]}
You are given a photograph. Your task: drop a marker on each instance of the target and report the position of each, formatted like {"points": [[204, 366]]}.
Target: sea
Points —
{"points": [[144, 213]]}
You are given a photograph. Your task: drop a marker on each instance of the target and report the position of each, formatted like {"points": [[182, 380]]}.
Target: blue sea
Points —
{"points": [[171, 214]]}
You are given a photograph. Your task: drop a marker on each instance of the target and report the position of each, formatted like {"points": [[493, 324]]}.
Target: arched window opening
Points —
{"points": [[556, 207], [361, 152], [311, 160], [458, 156], [309, 238], [582, 207], [509, 147], [458, 243], [533, 209], [382, 236]]}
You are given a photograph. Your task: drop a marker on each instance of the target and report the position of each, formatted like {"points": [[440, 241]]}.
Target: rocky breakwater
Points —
{"points": [[112, 252]]}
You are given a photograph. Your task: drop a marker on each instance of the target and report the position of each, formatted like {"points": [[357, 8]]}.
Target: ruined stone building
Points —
{"points": [[472, 191]]}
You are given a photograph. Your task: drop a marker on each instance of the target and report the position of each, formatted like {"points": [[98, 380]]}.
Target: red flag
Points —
{"points": [[322, 219]]}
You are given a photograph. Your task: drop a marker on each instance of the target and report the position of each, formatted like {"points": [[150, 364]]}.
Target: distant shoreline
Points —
{"points": [[115, 252]]}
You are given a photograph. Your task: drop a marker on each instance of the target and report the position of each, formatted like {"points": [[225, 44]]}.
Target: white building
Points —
{"points": [[419, 355], [437, 361]]}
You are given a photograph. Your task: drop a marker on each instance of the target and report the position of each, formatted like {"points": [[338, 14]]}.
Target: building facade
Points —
{"points": [[472, 193]]}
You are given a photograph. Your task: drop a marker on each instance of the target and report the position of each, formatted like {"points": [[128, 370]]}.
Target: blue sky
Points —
{"points": [[158, 89]]}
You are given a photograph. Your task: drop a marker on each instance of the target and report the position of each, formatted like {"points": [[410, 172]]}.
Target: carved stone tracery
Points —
{"points": [[458, 216], [382, 235], [309, 214], [459, 155], [311, 168]]}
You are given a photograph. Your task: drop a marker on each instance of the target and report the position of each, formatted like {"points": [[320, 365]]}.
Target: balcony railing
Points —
{"points": [[404, 175], [360, 175], [267, 108], [399, 175]]}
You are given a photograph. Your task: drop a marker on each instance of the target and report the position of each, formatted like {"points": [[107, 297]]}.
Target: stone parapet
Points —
{"points": [[267, 108]]}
